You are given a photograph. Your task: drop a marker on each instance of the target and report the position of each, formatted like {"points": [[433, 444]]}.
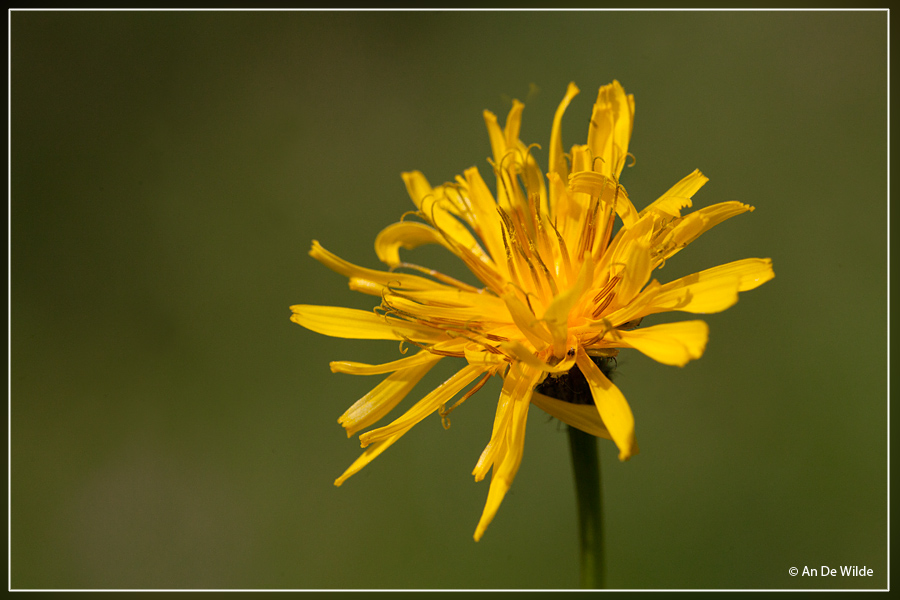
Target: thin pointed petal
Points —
{"points": [[611, 404], [370, 454], [580, 416], [698, 222], [557, 314], [507, 466], [378, 443], [379, 278], [610, 131], [425, 406], [557, 160], [534, 330], [712, 290], [679, 196], [356, 368], [513, 124], [337, 321], [670, 343], [385, 396], [519, 383]]}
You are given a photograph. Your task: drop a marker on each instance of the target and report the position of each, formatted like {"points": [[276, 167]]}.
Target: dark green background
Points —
{"points": [[171, 428]]}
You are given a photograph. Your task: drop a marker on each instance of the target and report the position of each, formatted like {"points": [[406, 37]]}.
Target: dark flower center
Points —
{"points": [[572, 386]]}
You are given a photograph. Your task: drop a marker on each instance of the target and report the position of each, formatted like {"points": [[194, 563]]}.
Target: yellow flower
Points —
{"points": [[560, 287]]}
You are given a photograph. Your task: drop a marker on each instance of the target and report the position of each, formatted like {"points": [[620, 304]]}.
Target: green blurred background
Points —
{"points": [[171, 428]]}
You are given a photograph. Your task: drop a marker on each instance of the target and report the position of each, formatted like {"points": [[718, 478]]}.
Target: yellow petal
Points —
{"points": [[356, 368], [417, 186], [365, 286], [624, 207], [580, 416], [557, 314], [425, 406], [751, 272], [597, 185], [477, 354], [633, 310], [519, 382], [717, 213], [407, 234], [679, 235], [498, 141], [712, 290], [533, 329], [610, 130], [503, 476], [669, 343], [557, 159], [386, 395], [420, 358], [535, 186], [564, 207], [442, 206], [701, 221], [635, 274], [486, 220], [525, 356], [616, 255], [457, 298], [556, 249], [379, 278], [494, 446], [373, 450], [350, 323], [679, 196], [479, 308], [511, 159], [513, 124], [506, 462], [611, 404], [370, 454]]}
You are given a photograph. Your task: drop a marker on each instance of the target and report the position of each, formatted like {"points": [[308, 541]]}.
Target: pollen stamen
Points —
{"points": [[603, 306], [607, 232], [607, 288], [496, 338], [586, 242]]}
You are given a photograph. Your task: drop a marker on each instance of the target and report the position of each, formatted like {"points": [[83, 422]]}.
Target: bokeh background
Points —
{"points": [[171, 428]]}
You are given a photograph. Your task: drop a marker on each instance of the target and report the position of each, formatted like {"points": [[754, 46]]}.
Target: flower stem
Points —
{"points": [[586, 465]]}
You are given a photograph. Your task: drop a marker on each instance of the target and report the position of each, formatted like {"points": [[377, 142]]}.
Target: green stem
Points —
{"points": [[586, 465]]}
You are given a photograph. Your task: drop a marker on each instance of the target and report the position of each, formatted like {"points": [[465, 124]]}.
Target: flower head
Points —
{"points": [[562, 283]]}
